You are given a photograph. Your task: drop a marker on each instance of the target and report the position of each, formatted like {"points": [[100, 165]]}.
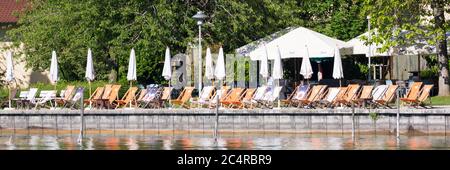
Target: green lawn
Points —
{"points": [[440, 100]]}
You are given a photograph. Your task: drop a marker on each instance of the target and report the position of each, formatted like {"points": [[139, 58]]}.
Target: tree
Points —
{"points": [[404, 22], [111, 28]]}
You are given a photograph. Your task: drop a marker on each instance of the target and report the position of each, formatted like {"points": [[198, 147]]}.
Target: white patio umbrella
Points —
{"points": [[167, 69], [209, 70], [337, 66], [306, 68], [264, 71], [277, 71], [9, 72], [90, 74], [54, 70], [131, 75]]}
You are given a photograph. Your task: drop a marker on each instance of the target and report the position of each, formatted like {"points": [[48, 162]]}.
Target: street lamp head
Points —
{"points": [[368, 17], [199, 17]]}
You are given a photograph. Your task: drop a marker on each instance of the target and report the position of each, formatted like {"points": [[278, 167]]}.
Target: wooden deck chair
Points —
{"points": [[267, 95], [22, 95], [350, 94], [377, 94], [204, 98], [245, 97], [45, 96], [66, 95], [72, 103], [364, 96], [413, 92], [258, 95], [330, 97], [424, 95], [96, 96], [234, 97], [184, 97], [140, 95], [270, 102], [287, 101], [387, 97], [100, 103], [301, 94], [223, 92], [128, 98], [313, 96], [113, 96]]}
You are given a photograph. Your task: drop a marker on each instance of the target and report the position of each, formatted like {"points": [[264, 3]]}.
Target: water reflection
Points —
{"points": [[234, 142]]}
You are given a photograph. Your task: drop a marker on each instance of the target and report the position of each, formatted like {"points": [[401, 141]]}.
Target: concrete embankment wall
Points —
{"points": [[415, 121]]}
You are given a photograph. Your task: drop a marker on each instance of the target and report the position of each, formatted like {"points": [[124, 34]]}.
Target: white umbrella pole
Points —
{"points": [[279, 103], [131, 85], [55, 97], [170, 103], [9, 97], [90, 94]]}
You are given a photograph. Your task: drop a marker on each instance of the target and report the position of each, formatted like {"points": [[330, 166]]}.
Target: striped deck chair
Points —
{"points": [[267, 95], [301, 94], [140, 95], [364, 96], [313, 96], [233, 98], [128, 98], [330, 98], [65, 96], [204, 98], [387, 97], [150, 98], [184, 97], [413, 92], [270, 102], [377, 94], [424, 95]]}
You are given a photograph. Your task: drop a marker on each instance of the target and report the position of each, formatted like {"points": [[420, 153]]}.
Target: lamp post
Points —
{"points": [[370, 45], [199, 17]]}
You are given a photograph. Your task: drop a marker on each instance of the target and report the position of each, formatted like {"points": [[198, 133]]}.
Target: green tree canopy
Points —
{"points": [[111, 28]]}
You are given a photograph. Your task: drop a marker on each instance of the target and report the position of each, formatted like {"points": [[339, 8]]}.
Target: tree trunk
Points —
{"points": [[441, 47]]}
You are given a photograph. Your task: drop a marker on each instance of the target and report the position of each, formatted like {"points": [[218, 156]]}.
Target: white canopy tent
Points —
{"points": [[360, 47], [292, 45]]}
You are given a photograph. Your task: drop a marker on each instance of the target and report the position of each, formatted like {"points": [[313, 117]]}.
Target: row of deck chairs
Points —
{"points": [[354, 94], [45, 99]]}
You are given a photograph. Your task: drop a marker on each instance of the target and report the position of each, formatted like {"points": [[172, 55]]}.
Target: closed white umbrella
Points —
{"points": [[264, 71], [337, 66], [219, 72], [90, 74], [167, 69], [9, 72], [54, 70], [209, 71], [306, 69], [131, 75], [277, 71]]}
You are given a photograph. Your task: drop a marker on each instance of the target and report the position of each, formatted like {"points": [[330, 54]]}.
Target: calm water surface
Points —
{"points": [[232, 142]]}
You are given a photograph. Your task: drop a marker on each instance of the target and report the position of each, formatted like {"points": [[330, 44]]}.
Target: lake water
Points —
{"points": [[224, 142]]}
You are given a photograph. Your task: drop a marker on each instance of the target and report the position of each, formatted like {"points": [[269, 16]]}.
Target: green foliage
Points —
{"points": [[440, 100], [111, 28], [374, 116]]}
